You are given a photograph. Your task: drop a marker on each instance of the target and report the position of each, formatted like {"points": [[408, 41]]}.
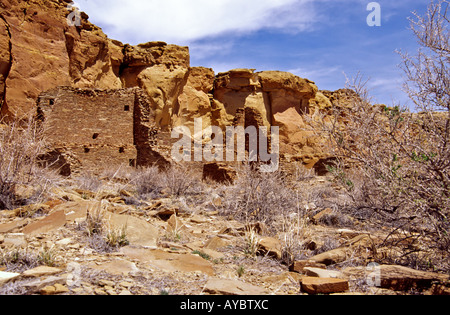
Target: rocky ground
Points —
{"points": [[111, 243]]}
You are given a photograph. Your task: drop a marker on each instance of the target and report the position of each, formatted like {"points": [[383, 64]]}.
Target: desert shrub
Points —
{"points": [[18, 259], [293, 233], [21, 259], [98, 232], [402, 156], [88, 181], [147, 181], [336, 219], [259, 197], [302, 173], [181, 180], [21, 144], [95, 220], [330, 243], [177, 180]]}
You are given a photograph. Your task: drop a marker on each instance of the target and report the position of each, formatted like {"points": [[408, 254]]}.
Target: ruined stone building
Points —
{"points": [[96, 129]]}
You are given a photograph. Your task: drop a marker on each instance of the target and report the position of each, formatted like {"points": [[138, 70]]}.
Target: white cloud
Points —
{"points": [[184, 21], [212, 48], [328, 77]]}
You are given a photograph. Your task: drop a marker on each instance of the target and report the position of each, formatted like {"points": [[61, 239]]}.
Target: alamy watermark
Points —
{"points": [[369, 277], [374, 18], [374, 277], [74, 17], [210, 144]]}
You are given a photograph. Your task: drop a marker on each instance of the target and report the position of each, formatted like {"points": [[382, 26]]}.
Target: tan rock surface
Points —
{"points": [[232, 287], [41, 271], [313, 285], [8, 276], [396, 278], [39, 59], [163, 87], [194, 101], [138, 231], [169, 261], [57, 288], [270, 246], [51, 222]]}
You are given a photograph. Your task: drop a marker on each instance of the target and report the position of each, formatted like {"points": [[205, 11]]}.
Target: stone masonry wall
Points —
{"points": [[91, 128]]}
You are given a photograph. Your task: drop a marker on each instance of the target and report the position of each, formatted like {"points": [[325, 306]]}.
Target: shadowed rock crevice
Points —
{"points": [[5, 61]]}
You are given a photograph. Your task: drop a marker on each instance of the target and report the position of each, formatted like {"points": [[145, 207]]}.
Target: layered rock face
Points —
{"points": [[265, 99], [34, 55], [40, 50]]}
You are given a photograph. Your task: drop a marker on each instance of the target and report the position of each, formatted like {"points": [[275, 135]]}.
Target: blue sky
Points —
{"points": [[322, 40]]}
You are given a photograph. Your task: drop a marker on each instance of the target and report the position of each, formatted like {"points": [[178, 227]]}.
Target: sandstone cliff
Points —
{"points": [[40, 51]]}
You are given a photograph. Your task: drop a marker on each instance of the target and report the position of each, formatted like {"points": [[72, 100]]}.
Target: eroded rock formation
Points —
{"points": [[40, 51]]}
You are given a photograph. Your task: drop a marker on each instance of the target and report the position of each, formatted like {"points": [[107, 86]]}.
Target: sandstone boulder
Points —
{"points": [[8, 276], [397, 278], [49, 223], [169, 261], [38, 54], [163, 86], [216, 242], [332, 257], [57, 288], [300, 265], [322, 273], [194, 100], [41, 271], [236, 90], [37, 284], [232, 287], [361, 245], [270, 246], [95, 60], [155, 53], [313, 285]]}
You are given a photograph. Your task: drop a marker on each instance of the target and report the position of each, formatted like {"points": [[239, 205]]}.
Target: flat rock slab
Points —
{"points": [[397, 278], [37, 284], [139, 232], [9, 227], [117, 267], [314, 285], [76, 209], [323, 273], [41, 271], [57, 288], [7, 276], [15, 239], [332, 257], [169, 261], [270, 246], [232, 287], [50, 223], [299, 265]]}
